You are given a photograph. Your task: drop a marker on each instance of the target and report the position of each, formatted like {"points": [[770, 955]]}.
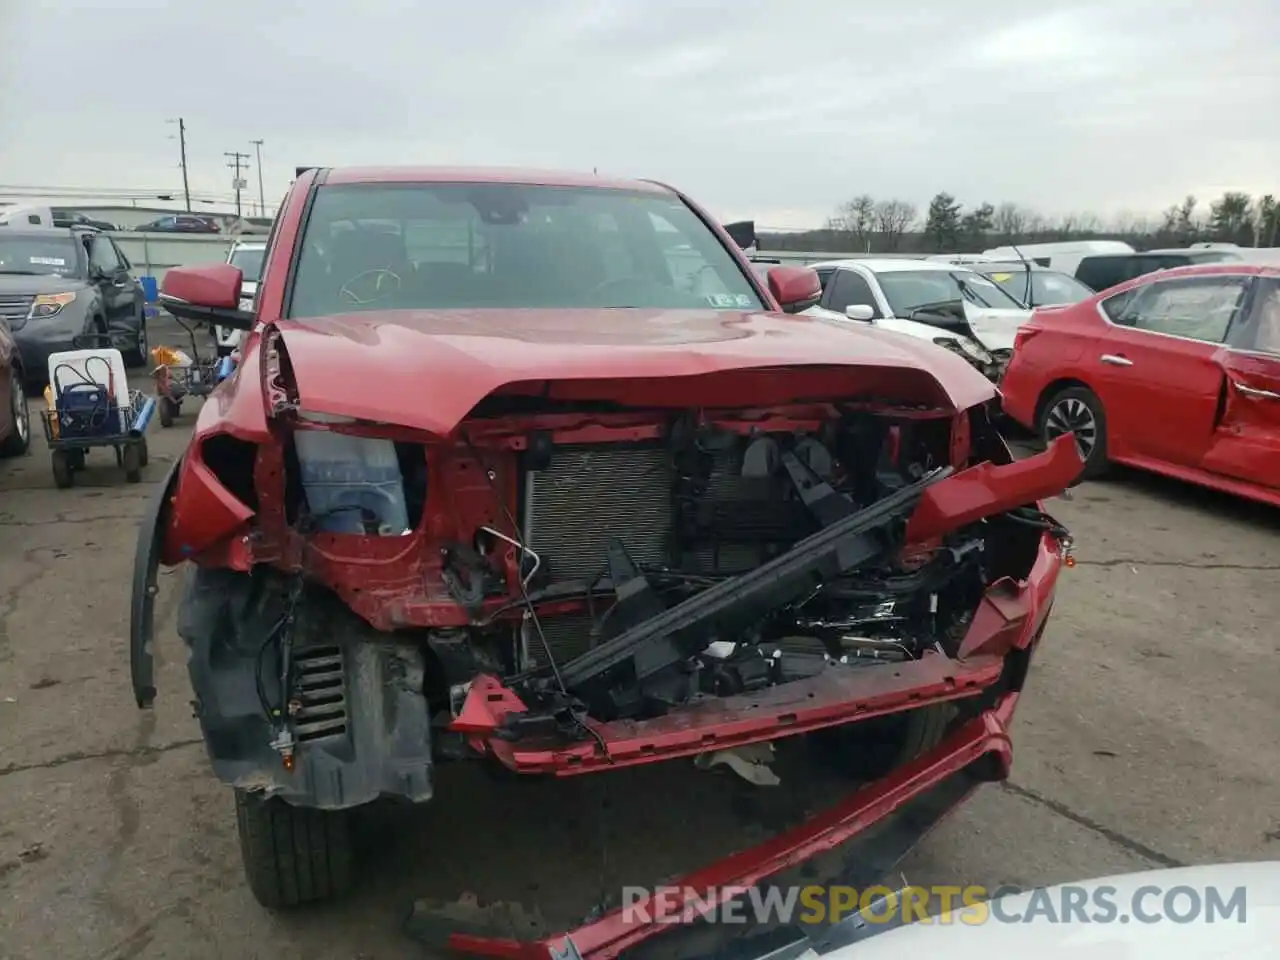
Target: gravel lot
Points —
{"points": [[1147, 737]]}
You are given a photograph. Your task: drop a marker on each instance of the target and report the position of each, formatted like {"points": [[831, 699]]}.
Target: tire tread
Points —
{"points": [[292, 855]]}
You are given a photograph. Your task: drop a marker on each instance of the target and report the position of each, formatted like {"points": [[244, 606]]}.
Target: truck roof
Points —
{"points": [[545, 178]]}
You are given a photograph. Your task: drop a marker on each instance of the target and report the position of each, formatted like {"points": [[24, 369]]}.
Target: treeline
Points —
{"points": [[867, 225]]}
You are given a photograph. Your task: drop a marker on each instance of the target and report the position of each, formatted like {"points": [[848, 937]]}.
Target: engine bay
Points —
{"points": [[714, 562]]}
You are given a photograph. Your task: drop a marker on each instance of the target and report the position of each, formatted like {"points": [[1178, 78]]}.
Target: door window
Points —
{"points": [[102, 256], [124, 261], [1104, 271], [1261, 332], [1194, 309], [849, 288]]}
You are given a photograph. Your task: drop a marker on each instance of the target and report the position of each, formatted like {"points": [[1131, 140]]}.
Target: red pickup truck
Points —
{"points": [[533, 470]]}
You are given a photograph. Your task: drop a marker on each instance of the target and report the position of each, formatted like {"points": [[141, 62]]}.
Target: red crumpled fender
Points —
{"points": [[987, 489]]}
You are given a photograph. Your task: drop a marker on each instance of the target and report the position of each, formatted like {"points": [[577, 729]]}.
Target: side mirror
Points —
{"points": [[208, 294], [795, 288], [860, 311]]}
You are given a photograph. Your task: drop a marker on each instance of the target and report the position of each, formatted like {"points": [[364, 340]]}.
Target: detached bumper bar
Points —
{"points": [[830, 699], [982, 745]]}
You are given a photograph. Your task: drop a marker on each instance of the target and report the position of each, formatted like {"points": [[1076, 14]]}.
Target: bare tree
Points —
{"points": [[859, 217], [1088, 223], [1010, 221], [1187, 224], [893, 219]]}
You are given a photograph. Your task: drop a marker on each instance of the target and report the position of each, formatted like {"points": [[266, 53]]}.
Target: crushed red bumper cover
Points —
{"points": [[981, 746]]}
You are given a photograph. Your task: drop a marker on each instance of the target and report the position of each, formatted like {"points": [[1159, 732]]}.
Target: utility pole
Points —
{"points": [[262, 200], [235, 164], [182, 146]]}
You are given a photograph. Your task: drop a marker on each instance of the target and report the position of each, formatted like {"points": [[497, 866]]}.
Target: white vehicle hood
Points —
{"points": [[1045, 937], [912, 328], [995, 328]]}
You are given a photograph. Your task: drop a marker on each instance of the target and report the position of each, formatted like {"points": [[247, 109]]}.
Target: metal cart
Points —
{"points": [[71, 440], [175, 383]]}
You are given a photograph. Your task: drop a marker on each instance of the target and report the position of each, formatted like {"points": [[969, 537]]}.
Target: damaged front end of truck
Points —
{"points": [[577, 572]]}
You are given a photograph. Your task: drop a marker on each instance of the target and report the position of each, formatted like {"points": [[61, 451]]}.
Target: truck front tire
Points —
{"points": [[293, 855]]}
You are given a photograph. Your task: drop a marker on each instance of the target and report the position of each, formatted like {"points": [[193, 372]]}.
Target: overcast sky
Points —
{"points": [[774, 110]]}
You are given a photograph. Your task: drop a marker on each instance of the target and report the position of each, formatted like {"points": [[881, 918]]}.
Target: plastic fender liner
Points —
{"points": [[142, 607]]}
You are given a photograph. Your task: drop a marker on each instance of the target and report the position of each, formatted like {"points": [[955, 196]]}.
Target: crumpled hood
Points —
{"points": [[995, 328], [429, 369]]}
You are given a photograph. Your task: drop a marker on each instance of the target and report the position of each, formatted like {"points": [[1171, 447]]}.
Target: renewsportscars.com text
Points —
{"points": [[973, 905]]}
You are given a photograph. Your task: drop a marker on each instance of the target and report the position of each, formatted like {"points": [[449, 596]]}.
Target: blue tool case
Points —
{"points": [[85, 407]]}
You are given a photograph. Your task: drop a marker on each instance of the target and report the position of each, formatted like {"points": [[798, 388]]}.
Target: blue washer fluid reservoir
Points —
{"points": [[353, 484]]}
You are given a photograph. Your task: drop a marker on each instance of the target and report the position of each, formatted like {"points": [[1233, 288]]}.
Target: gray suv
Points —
{"points": [[57, 285]]}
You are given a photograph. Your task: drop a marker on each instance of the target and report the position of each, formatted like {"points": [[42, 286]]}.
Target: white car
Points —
{"points": [[950, 305], [1188, 913], [247, 255]]}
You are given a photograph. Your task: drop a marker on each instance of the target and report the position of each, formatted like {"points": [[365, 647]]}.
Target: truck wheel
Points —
{"points": [[168, 411], [293, 855], [1077, 410], [870, 749], [923, 729]]}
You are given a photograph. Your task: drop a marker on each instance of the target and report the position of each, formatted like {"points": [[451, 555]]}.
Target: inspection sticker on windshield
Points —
{"points": [[727, 300], [1001, 277], [48, 261]]}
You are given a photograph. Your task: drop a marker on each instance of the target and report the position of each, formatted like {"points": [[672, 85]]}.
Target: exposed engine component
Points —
{"points": [[714, 563]]}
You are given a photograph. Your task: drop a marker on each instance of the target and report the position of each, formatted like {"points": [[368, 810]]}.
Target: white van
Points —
{"points": [[23, 215], [1064, 256]]}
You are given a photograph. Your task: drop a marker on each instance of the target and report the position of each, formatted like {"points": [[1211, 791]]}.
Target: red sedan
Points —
{"points": [[1177, 372]]}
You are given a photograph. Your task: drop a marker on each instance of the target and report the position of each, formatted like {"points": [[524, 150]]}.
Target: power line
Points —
{"points": [[236, 158]]}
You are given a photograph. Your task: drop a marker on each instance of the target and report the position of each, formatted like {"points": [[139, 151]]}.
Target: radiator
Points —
{"points": [[590, 494]]}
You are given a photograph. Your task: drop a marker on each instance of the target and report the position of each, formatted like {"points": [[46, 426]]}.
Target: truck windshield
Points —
{"points": [[497, 245], [249, 260], [26, 254]]}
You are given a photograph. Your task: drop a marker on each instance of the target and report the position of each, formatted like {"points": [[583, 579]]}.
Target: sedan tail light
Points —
{"points": [[1023, 335]]}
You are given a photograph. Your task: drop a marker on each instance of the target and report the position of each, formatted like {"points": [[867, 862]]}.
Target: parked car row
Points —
{"points": [[181, 223], [1173, 365]]}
